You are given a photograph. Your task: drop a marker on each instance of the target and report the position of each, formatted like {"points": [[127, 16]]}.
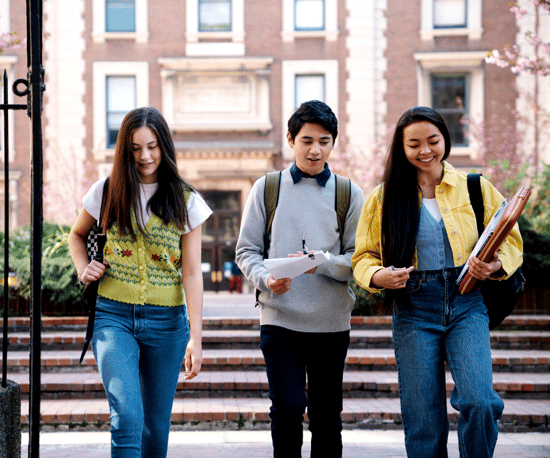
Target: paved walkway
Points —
{"points": [[253, 444]]}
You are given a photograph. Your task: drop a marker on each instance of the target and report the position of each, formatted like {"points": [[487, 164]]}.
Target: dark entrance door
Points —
{"points": [[219, 237]]}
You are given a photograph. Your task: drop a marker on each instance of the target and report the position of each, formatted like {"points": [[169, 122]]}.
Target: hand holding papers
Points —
{"points": [[292, 267]]}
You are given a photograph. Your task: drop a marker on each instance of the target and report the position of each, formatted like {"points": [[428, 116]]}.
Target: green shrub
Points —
{"points": [[59, 283], [366, 304]]}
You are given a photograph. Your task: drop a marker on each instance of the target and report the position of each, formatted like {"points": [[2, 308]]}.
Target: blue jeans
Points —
{"points": [[290, 356], [442, 326], [139, 351]]}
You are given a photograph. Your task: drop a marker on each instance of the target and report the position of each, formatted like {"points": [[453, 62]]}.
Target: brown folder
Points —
{"points": [[503, 228]]}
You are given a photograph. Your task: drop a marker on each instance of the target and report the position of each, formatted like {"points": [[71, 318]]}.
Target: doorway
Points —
{"points": [[219, 238]]}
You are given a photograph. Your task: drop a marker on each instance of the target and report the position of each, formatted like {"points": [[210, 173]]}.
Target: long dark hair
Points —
{"points": [[400, 204], [168, 202]]}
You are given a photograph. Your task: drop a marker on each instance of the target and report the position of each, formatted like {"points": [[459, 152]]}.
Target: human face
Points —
{"points": [[424, 147], [147, 154], [312, 147]]}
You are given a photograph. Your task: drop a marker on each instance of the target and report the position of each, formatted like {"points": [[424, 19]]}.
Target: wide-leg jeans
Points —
{"points": [[443, 326], [291, 357], [139, 351]]}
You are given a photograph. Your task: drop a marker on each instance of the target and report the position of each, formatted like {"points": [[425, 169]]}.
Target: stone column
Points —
{"points": [[10, 421]]}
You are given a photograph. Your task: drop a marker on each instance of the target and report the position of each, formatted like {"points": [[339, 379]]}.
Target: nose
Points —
{"points": [[144, 154], [315, 147]]}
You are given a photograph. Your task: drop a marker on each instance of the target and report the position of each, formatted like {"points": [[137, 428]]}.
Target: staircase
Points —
{"points": [[232, 391]]}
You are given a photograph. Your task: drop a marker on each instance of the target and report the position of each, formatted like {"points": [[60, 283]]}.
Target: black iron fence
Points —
{"points": [[33, 90]]}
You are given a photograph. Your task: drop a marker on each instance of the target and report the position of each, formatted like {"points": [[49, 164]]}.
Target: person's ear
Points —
{"points": [[289, 139]]}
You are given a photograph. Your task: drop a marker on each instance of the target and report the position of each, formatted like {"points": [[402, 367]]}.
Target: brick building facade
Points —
{"points": [[227, 74]]}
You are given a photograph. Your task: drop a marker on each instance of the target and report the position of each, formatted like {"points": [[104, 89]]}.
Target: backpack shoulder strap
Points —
{"points": [[342, 200], [103, 200], [476, 199], [271, 199]]}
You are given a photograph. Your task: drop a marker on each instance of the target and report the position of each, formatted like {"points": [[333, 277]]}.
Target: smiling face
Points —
{"points": [[312, 146], [147, 154], [424, 147]]}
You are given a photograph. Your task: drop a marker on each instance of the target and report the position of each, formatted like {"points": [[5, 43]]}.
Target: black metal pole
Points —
{"points": [[6, 239], [36, 86]]}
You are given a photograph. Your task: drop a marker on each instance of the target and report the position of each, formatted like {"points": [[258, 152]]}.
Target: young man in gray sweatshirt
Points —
{"points": [[305, 322]]}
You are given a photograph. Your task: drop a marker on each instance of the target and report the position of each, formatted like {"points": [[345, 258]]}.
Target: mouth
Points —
{"points": [[426, 160]]}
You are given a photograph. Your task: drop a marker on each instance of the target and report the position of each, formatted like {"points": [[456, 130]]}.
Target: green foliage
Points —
{"points": [[366, 304], [59, 281], [536, 255], [538, 207]]}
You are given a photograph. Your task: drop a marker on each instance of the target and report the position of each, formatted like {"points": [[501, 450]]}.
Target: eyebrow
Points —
{"points": [[417, 140], [324, 137]]}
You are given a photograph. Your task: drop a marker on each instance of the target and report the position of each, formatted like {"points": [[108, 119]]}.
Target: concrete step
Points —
{"points": [[511, 323], [216, 384], [519, 415], [242, 359], [250, 339]]}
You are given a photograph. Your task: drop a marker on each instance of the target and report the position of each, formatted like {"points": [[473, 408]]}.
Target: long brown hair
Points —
{"points": [[123, 196], [401, 205]]}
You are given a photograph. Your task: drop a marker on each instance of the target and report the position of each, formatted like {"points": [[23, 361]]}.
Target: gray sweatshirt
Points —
{"points": [[319, 302]]}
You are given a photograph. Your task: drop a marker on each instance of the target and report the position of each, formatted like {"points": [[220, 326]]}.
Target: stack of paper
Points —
{"points": [[292, 267]]}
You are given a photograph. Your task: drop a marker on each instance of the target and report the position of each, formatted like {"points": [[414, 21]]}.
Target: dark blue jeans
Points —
{"points": [[290, 357], [443, 326]]}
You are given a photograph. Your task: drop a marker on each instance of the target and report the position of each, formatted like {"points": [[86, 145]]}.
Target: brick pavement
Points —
{"points": [[255, 444]]}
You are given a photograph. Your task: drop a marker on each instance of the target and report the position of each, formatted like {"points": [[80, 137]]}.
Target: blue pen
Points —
{"points": [[304, 247]]}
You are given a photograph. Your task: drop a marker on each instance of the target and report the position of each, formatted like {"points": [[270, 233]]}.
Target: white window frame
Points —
{"points": [[204, 43], [291, 68], [473, 29], [8, 63], [466, 62], [289, 34], [100, 35], [100, 72], [5, 16]]}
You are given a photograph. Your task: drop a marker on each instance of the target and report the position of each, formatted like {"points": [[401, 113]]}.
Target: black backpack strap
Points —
{"points": [[476, 199], [342, 198]]}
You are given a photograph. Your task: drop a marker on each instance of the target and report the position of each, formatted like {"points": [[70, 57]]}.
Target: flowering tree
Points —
{"points": [[364, 168], [514, 57], [9, 41]]}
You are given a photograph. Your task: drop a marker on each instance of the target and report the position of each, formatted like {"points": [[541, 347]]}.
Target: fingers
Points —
{"points": [[398, 276], [93, 271], [280, 286], [192, 366]]}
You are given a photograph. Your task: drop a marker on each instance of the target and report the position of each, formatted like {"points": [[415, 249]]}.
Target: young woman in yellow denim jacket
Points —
{"points": [[416, 231]]}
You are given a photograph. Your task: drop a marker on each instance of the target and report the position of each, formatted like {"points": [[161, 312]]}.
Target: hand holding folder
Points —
{"points": [[494, 235]]}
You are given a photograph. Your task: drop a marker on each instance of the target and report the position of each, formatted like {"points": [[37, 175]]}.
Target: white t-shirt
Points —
{"points": [[197, 208], [433, 208]]}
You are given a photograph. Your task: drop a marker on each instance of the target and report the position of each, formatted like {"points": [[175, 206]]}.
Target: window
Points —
{"points": [[307, 80], [120, 20], [215, 15], [309, 15], [309, 87], [121, 98], [451, 18], [118, 87], [214, 28], [310, 19], [5, 16], [453, 84], [449, 13], [449, 95], [120, 16]]}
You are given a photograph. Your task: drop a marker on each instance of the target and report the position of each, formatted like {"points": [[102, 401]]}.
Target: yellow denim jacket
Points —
{"points": [[453, 201]]}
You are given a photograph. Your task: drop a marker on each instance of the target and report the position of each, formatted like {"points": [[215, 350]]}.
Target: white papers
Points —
{"points": [[292, 267], [485, 236]]}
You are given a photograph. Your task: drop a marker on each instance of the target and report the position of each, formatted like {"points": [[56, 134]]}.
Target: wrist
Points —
{"points": [[79, 277]]}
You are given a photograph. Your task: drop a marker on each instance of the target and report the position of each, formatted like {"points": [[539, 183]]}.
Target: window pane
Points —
{"points": [[215, 15], [309, 87], [120, 16], [449, 13], [309, 15], [121, 98], [450, 99]]}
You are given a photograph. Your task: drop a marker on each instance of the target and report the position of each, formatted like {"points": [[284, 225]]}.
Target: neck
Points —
{"points": [[428, 182]]}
